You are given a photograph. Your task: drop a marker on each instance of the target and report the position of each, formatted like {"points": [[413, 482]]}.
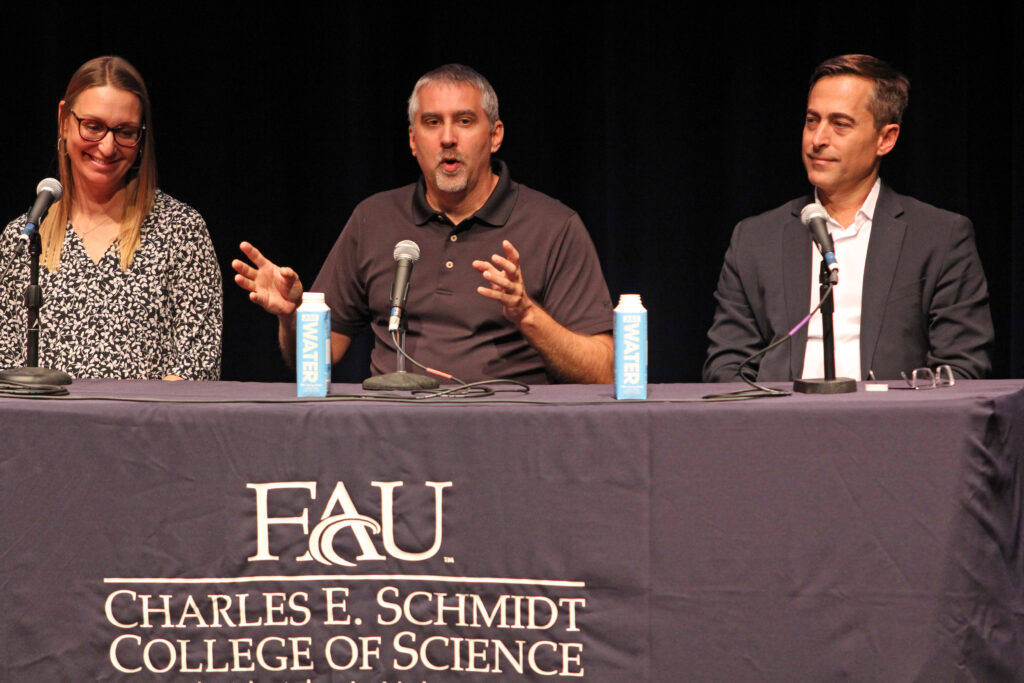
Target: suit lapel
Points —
{"points": [[796, 277], [887, 232]]}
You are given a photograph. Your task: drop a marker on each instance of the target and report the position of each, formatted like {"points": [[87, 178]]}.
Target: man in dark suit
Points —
{"points": [[912, 291]]}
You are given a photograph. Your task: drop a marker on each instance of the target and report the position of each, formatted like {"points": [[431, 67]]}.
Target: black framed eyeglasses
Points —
{"points": [[94, 131]]}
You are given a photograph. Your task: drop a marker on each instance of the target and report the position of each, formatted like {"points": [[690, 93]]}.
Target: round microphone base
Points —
{"points": [[399, 381], [35, 376], [842, 385]]}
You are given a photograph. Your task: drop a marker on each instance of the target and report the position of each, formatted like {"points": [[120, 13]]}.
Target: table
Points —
{"points": [[226, 534]]}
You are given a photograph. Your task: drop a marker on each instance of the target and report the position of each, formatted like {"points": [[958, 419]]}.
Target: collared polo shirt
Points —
{"points": [[451, 326]]}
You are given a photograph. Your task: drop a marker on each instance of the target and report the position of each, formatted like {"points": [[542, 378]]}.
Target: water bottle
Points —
{"points": [[630, 348], [313, 346]]}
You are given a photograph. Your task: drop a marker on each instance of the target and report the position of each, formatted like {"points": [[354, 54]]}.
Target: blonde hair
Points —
{"points": [[140, 181]]}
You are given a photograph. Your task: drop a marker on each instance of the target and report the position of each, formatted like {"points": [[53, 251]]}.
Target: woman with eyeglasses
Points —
{"points": [[131, 286]]}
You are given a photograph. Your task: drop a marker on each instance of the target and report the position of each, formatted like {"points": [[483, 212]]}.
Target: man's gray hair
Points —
{"points": [[452, 74]]}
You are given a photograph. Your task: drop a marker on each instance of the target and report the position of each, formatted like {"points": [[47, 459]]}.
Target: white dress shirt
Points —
{"points": [[851, 245]]}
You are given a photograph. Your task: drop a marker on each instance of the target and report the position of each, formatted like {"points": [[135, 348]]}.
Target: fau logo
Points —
{"points": [[347, 518]]}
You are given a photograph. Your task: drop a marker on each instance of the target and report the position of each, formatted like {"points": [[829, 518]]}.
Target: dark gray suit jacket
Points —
{"points": [[924, 303]]}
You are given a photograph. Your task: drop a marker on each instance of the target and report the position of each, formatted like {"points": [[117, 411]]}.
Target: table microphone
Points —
{"points": [[815, 217], [48, 191], [407, 253]]}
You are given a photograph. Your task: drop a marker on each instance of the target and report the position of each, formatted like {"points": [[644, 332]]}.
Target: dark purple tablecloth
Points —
{"points": [[873, 536]]}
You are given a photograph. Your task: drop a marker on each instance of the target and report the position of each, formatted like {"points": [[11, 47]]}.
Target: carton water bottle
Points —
{"points": [[630, 348], [313, 346]]}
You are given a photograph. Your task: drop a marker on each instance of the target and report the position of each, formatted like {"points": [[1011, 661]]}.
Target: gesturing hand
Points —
{"points": [[506, 283], [277, 290]]}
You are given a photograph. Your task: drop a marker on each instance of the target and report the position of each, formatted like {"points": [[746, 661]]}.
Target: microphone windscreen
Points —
{"points": [[812, 211], [51, 185], [407, 249]]}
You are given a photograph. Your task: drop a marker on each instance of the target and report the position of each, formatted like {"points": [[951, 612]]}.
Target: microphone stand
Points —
{"points": [[31, 373], [400, 380], [828, 385]]}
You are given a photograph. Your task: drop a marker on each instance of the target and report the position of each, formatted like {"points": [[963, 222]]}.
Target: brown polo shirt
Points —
{"points": [[451, 327]]}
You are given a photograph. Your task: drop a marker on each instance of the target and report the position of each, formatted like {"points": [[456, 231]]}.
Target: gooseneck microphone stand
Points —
{"points": [[828, 385], [32, 373]]}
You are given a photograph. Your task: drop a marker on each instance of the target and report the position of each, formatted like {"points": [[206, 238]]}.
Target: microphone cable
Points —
{"points": [[758, 390], [461, 389]]}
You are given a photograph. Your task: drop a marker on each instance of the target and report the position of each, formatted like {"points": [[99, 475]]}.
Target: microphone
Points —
{"points": [[815, 217], [407, 253], [48, 191]]}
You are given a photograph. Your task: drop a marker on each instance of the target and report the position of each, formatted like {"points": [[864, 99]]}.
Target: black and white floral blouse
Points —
{"points": [[161, 317]]}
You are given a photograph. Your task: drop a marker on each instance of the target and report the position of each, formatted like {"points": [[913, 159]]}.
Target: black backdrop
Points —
{"points": [[662, 132]]}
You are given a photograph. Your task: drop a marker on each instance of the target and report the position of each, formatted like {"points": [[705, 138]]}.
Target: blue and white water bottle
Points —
{"points": [[630, 348], [313, 346]]}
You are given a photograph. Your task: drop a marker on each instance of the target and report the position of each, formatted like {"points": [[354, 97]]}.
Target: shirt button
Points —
{"points": [[454, 238], [449, 264]]}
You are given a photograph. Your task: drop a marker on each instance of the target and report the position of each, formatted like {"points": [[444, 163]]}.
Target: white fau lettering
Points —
{"points": [[531, 612], [321, 536], [487, 655], [128, 609], [367, 648], [129, 655], [336, 606]]}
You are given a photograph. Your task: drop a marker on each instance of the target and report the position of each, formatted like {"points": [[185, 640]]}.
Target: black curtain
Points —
{"points": [[662, 131]]}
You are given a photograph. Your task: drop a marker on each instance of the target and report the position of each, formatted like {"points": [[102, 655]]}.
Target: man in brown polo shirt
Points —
{"points": [[508, 283]]}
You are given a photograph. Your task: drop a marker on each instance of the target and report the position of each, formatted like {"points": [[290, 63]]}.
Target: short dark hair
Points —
{"points": [[891, 88]]}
